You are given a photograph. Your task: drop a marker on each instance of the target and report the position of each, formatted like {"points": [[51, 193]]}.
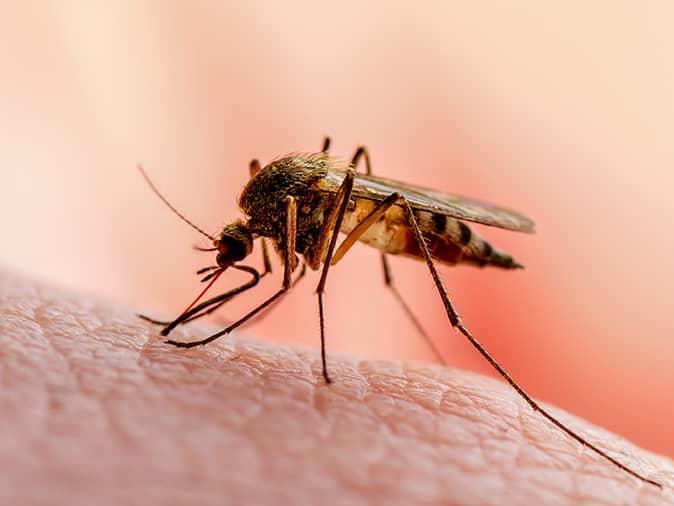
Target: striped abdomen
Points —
{"points": [[449, 240]]}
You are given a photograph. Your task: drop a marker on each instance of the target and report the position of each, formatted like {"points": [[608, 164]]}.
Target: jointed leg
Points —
{"points": [[254, 167], [261, 316], [330, 231], [362, 153], [209, 305], [188, 317], [388, 279], [356, 233], [289, 265], [455, 321], [265, 257]]}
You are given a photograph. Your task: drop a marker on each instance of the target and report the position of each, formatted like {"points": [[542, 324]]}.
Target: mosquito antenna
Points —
{"points": [[168, 204]]}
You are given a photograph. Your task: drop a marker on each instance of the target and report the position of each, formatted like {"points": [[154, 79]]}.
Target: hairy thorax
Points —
{"points": [[263, 200]]}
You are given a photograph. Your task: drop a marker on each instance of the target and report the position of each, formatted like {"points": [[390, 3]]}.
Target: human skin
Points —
{"points": [[96, 409]]}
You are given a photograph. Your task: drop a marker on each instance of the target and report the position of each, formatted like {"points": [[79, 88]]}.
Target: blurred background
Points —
{"points": [[564, 111]]}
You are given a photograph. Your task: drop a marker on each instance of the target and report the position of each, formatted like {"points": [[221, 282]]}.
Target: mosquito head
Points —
{"points": [[234, 244]]}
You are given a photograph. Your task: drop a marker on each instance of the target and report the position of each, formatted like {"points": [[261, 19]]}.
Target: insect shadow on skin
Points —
{"points": [[302, 201]]}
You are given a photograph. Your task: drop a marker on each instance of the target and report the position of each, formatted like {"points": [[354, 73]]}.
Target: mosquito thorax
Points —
{"points": [[234, 244], [263, 199]]}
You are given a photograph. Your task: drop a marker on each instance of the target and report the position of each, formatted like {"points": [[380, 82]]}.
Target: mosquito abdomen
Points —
{"points": [[449, 240]]}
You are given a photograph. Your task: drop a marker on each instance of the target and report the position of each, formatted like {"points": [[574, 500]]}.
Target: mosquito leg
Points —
{"points": [[204, 270], [302, 273], [262, 315], [289, 261], [265, 258], [210, 305], [330, 231], [205, 312], [388, 280], [207, 305], [215, 305], [151, 320], [376, 214], [209, 310], [456, 322], [254, 167], [231, 294], [353, 236], [297, 279], [363, 153]]}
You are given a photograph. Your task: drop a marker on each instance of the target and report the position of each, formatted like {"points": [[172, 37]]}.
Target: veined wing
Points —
{"points": [[456, 206]]}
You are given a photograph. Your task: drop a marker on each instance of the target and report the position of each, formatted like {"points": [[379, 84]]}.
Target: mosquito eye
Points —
{"points": [[222, 260], [232, 249]]}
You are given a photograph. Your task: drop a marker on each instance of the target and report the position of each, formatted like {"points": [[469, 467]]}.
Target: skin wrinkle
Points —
{"points": [[25, 316], [240, 420]]}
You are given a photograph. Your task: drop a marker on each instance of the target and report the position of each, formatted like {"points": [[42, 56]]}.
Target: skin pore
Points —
{"points": [[97, 409]]}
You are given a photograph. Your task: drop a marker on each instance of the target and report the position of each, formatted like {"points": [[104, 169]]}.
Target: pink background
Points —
{"points": [[565, 113]]}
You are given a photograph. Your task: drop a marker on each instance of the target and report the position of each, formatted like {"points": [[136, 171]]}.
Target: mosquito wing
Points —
{"points": [[426, 199]]}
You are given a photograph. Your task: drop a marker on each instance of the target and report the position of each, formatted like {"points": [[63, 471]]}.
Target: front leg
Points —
{"points": [[209, 305]]}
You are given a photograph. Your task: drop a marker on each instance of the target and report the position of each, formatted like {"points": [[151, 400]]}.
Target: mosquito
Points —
{"points": [[301, 201]]}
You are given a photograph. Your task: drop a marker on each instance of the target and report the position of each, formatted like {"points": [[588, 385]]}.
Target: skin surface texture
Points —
{"points": [[96, 409]]}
